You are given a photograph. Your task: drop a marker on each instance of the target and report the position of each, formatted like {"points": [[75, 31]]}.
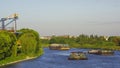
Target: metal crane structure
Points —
{"points": [[8, 20]]}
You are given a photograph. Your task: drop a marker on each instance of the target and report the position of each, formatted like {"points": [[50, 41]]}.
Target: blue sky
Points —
{"points": [[60, 17]]}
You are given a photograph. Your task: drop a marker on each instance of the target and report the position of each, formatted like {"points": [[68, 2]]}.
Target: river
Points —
{"points": [[59, 59]]}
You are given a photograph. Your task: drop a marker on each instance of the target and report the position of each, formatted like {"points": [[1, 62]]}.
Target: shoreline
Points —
{"points": [[25, 59]]}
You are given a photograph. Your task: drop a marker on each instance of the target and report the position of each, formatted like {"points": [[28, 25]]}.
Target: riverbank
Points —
{"points": [[108, 47], [16, 61], [89, 46], [20, 58]]}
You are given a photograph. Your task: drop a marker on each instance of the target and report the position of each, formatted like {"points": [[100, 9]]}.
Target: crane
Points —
{"points": [[9, 19]]}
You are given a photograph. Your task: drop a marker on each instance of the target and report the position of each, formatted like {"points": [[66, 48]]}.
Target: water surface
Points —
{"points": [[59, 59]]}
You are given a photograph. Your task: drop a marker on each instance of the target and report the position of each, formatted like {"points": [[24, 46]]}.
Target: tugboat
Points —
{"points": [[77, 56]]}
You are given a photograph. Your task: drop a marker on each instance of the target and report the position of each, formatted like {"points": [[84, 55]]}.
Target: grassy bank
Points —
{"points": [[11, 60], [20, 58], [89, 46]]}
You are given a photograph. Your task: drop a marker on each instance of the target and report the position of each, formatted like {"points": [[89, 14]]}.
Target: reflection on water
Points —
{"points": [[58, 59]]}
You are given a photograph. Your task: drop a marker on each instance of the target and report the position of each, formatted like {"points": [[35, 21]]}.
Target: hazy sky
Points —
{"points": [[59, 17]]}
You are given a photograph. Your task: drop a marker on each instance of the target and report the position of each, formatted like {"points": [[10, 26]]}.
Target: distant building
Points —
{"points": [[67, 36], [45, 37], [64, 36]]}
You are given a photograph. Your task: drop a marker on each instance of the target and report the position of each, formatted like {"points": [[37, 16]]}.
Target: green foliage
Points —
{"points": [[18, 46], [7, 42], [30, 42], [85, 41], [115, 39], [12, 59], [62, 40], [13, 49], [44, 42]]}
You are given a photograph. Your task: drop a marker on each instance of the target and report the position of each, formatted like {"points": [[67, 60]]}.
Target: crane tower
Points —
{"points": [[8, 20]]}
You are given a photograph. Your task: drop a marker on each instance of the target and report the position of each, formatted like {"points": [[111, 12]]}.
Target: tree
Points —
{"points": [[30, 42], [7, 41], [115, 39]]}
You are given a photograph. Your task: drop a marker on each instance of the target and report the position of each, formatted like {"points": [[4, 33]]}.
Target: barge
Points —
{"points": [[77, 56]]}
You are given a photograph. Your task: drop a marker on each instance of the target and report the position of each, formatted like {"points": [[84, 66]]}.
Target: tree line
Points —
{"points": [[87, 41]]}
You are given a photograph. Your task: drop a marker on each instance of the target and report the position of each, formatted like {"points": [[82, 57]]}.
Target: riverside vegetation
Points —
{"points": [[86, 41], [26, 44], [19, 46]]}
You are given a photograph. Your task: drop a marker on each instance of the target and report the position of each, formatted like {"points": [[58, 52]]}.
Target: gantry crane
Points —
{"points": [[7, 20]]}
